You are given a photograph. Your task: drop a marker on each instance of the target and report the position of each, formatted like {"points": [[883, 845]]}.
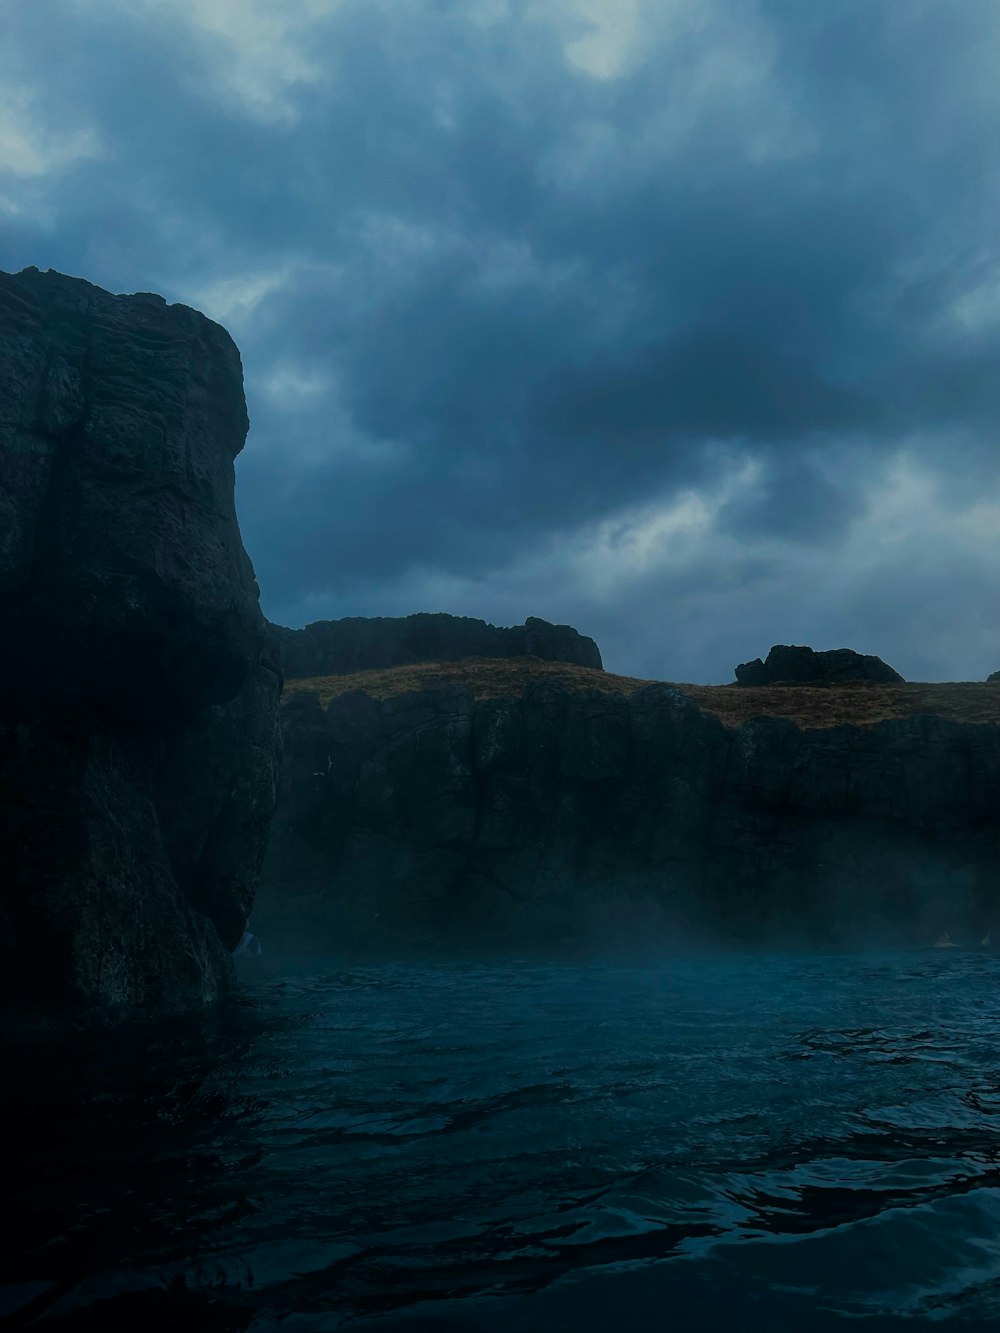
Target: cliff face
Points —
{"points": [[138, 736], [542, 810], [339, 647]]}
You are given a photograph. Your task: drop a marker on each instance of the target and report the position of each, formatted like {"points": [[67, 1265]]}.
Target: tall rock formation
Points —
{"points": [[358, 643], [138, 686]]}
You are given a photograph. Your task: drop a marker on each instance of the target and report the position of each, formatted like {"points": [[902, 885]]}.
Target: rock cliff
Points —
{"points": [[356, 643], [525, 803], [138, 708], [787, 665]]}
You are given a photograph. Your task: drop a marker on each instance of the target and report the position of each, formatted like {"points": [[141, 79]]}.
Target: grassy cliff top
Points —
{"points": [[858, 703]]}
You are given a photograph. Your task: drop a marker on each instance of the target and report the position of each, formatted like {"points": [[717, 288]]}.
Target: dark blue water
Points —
{"points": [[777, 1142]]}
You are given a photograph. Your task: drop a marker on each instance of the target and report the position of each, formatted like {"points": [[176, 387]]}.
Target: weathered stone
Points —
{"points": [[138, 692], [786, 665], [340, 647]]}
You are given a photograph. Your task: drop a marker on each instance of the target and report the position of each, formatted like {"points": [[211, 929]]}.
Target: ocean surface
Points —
{"points": [[790, 1141]]}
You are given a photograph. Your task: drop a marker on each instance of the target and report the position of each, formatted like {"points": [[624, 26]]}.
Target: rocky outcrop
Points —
{"points": [[437, 818], [138, 690], [339, 647], [993, 678], [787, 665]]}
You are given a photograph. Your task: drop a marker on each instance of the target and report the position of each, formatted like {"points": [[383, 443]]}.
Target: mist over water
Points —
{"points": [[781, 1140]]}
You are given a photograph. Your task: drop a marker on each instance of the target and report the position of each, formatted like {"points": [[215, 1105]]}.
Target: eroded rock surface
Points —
{"points": [[138, 737], [357, 643]]}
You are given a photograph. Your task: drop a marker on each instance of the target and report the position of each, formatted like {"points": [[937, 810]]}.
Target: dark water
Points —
{"points": [[777, 1142]]}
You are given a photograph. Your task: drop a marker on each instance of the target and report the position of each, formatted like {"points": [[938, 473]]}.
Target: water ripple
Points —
{"points": [[522, 1144]]}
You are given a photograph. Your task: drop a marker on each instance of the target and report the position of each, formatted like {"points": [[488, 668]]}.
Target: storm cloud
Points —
{"points": [[675, 319]]}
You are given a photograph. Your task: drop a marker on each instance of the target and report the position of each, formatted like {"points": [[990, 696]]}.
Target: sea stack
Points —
{"points": [[138, 709]]}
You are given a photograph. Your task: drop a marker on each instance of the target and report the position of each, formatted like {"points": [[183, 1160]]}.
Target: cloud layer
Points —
{"points": [[675, 319]]}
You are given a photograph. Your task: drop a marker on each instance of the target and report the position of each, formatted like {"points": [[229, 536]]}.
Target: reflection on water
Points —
{"points": [[756, 1143]]}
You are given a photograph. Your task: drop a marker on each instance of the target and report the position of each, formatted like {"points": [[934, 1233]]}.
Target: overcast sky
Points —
{"points": [[676, 320]]}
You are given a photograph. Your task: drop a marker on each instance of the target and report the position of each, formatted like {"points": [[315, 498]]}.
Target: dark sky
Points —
{"points": [[678, 320]]}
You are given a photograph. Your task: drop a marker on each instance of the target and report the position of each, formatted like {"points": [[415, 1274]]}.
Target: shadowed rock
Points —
{"points": [[357, 643], [473, 813], [139, 690], [804, 666]]}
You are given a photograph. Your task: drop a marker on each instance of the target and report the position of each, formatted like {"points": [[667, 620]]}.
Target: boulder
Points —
{"points": [[788, 665]]}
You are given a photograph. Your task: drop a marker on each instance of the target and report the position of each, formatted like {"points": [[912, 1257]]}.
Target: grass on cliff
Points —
{"points": [[858, 704]]}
